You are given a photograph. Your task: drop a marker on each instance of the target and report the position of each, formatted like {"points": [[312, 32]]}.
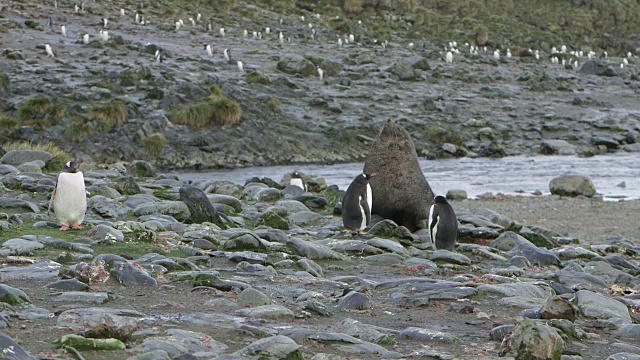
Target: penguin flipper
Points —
{"points": [[367, 212]]}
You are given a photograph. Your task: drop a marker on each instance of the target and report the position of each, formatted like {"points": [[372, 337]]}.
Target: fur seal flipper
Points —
{"points": [[400, 190]]}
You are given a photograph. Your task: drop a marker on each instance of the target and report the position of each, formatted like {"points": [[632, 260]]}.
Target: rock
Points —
{"points": [[311, 267], [597, 306], [498, 333], [40, 270], [76, 297], [152, 355], [366, 332], [107, 207], [200, 207], [226, 200], [534, 254], [266, 312], [572, 185], [449, 257], [532, 339], [81, 343], [624, 356], [105, 232], [141, 168], [296, 64], [17, 157], [307, 219], [558, 308], [389, 229], [422, 64], [428, 335], [404, 72], [508, 241], [96, 322], [16, 352], [251, 297], [178, 342], [630, 331], [32, 166], [130, 186], [68, 285], [13, 296], [355, 301], [129, 275], [597, 67], [457, 194], [557, 147], [275, 347], [21, 246]]}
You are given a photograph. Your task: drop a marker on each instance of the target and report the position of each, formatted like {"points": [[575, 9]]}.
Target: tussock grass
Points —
{"points": [[257, 77], [77, 128], [274, 105], [213, 110], [109, 115], [8, 122], [60, 157], [154, 144], [353, 6], [41, 112]]}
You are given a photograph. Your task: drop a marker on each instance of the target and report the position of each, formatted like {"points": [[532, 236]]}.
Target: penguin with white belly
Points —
{"points": [[69, 198], [443, 225], [356, 204], [297, 180]]}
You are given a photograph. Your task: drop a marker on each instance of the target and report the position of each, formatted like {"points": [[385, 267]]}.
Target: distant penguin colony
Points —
{"points": [[69, 197], [443, 225], [357, 203]]}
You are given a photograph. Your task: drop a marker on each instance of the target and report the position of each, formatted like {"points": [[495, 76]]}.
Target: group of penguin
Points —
{"points": [[357, 204], [70, 203]]}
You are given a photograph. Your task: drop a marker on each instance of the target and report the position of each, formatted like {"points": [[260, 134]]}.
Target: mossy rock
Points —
{"points": [[297, 64], [5, 83], [141, 168], [13, 296], [273, 220], [81, 343], [33, 25]]}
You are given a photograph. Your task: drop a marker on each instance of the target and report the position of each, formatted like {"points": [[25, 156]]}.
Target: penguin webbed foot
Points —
{"points": [[77, 227], [64, 228]]}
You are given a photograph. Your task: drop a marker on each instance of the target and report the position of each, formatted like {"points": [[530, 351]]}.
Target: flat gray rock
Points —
{"points": [[21, 246], [16, 352], [13, 296], [96, 321], [596, 306], [427, 335], [40, 270], [17, 157], [266, 312], [81, 297], [275, 347], [449, 257]]}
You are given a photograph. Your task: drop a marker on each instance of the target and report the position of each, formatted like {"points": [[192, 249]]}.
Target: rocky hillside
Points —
{"points": [[147, 89]]}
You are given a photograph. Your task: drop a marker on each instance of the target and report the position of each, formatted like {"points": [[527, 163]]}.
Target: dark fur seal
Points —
{"points": [[400, 191]]}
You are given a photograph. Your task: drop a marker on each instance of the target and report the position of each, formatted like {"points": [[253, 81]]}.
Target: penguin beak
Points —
{"points": [[373, 174]]}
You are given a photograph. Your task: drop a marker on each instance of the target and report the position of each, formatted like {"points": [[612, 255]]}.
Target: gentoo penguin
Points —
{"points": [[225, 53], [63, 30], [240, 66], [356, 204], [48, 49], [221, 32], [449, 57], [122, 12], [198, 17], [443, 225], [267, 30], [69, 198], [105, 21], [158, 56], [85, 39], [245, 33], [178, 25], [320, 72], [208, 49], [297, 180]]}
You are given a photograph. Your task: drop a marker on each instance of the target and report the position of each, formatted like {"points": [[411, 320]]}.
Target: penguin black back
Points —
{"points": [[356, 213], [443, 224]]}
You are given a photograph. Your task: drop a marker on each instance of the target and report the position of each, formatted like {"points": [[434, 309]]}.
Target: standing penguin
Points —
{"points": [[297, 180], [443, 225], [356, 204], [69, 198]]}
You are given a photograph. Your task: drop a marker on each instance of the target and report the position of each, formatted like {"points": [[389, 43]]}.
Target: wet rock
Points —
{"points": [[532, 339], [16, 352], [597, 306], [273, 220], [200, 207], [251, 297], [17, 157], [557, 147], [597, 67], [275, 347], [307, 219], [355, 301], [572, 185], [178, 342], [558, 308]]}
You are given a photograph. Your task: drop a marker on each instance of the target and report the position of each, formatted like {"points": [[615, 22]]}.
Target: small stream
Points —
{"points": [[511, 175]]}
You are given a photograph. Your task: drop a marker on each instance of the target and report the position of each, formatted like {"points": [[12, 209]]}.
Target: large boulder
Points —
{"points": [[597, 67], [534, 340], [296, 64], [557, 147], [572, 185], [17, 157]]}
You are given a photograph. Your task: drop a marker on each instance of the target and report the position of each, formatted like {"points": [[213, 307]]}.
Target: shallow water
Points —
{"points": [[511, 175]]}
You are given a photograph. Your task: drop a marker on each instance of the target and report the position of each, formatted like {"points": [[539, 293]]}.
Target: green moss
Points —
{"points": [[154, 144], [41, 112], [60, 157], [439, 135], [274, 105], [7, 122], [81, 343], [109, 115], [257, 77]]}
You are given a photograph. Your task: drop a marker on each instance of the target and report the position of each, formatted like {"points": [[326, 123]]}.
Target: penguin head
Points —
{"points": [[71, 167], [369, 176], [440, 200], [295, 174]]}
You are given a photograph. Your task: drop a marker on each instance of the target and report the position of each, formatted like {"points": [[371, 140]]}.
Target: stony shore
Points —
{"points": [[527, 280], [109, 101]]}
